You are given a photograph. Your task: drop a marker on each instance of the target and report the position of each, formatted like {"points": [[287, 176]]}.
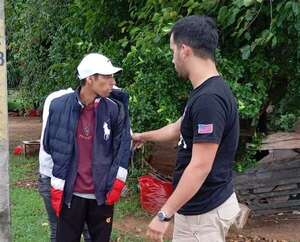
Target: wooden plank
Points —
{"points": [[263, 189], [267, 195], [281, 140], [278, 155], [163, 157], [284, 172], [281, 136], [278, 199], [286, 187], [257, 206], [258, 183], [288, 144], [274, 188], [267, 188], [243, 192], [267, 178], [271, 166]]}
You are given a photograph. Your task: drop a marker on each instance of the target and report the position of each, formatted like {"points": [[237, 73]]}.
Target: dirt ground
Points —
{"points": [[276, 228], [23, 128], [270, 228]]}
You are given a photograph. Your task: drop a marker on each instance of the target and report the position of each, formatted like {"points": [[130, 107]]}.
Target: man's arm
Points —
{"points": [[193, 177], [45, 135], [203, 155], [169, 132], [121, 155]]}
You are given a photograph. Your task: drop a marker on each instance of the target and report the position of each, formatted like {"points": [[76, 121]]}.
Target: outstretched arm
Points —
{"points": [[169, 132]]}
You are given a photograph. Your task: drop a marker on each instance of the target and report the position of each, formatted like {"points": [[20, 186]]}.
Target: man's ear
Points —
{"points": [[89, 80], [186, 51]]}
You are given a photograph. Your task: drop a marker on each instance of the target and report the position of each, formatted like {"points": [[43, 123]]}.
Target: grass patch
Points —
{"points": [[22, 168], [129, 205], [28, 216]]}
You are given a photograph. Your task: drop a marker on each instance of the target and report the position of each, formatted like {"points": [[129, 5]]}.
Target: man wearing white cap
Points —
{"points": [[45, 170], [88, 137]]}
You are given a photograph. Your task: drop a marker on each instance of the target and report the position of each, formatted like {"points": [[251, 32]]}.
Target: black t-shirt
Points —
{"points": [[210, 116]]}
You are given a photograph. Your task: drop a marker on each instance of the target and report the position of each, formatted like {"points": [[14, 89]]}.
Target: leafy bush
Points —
{"points": [[15, 102], [258, 53]]}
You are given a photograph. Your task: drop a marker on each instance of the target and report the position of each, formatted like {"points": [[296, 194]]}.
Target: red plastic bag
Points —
{"points": [[154, 192]]}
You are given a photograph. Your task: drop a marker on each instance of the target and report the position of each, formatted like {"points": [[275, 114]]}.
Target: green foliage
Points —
{"points": [[258, 55], [47, 39], [286, 121], [247, 153], [15, 102], [154, 76], [14, 106], [287, 111]]}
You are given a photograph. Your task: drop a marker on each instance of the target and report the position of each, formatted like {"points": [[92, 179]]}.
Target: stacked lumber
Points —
{"points": [[273, 186], [281, 141]]}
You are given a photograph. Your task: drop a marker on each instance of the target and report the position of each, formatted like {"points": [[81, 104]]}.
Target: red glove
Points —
{"points": [[114, 194], [56, 200]]}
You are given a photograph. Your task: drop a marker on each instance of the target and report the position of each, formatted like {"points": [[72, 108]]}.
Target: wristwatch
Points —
{"points": [[163, 217]]}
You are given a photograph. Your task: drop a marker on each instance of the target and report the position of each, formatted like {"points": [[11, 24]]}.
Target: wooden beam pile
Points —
{"points": [[273, 186]]}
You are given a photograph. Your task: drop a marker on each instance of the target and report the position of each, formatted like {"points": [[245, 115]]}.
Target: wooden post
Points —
{"points": [[4, 177]]}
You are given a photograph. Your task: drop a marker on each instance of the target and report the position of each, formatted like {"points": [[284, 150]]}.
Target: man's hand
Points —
{"points": [[56, 200], [157, 229], [114, 194], [56, 194], [138, 140]]}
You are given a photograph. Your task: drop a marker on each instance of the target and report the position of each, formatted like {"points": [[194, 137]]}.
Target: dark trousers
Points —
{"points": [[44, 190], [71, 221]]}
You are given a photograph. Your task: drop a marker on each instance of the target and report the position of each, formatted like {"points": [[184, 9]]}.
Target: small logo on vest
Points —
{"points": [[108, 220], [106, 131]]}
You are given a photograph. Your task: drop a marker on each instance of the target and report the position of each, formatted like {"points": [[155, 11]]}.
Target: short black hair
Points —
{"points": [[83, 81], [198, 32]]}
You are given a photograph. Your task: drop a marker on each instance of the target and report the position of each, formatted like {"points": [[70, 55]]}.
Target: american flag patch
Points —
{"points": [[205, 128]]}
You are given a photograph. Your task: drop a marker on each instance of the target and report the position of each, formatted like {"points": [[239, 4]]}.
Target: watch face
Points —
{"points": [[161, 216]]}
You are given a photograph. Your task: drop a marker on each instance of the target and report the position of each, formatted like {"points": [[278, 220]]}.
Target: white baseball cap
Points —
{"points": [[95, 63]]}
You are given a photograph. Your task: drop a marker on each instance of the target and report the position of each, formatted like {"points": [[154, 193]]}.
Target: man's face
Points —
{"points": [[178, 60], [102, 84]]}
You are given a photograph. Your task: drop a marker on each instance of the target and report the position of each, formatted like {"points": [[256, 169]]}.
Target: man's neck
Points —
{"points": [[86, 96], [202, 70]]}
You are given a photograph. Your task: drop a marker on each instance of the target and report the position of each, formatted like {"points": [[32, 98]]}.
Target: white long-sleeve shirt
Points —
{"points": [[45, 160]]}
